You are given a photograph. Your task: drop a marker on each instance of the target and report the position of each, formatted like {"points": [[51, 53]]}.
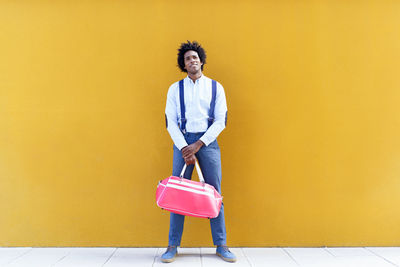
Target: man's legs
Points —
{"points": [[209, 158], [177, 220]]}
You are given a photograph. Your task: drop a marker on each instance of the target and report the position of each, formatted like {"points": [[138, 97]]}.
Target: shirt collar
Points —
{"points": [[198, 80]]}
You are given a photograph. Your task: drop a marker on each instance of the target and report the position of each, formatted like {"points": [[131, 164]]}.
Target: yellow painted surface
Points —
{"points": [[311, 154]]}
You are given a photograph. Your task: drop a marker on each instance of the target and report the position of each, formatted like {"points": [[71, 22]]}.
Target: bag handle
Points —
{"points": [[199, 173]]}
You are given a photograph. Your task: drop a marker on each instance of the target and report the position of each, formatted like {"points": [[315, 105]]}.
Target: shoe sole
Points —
{"points": [[168, 260], [226, 259]]}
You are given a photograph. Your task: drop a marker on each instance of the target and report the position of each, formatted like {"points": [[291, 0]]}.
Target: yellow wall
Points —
{"points": [[311, 154]]}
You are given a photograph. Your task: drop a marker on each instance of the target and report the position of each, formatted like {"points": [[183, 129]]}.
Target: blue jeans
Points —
{"points": [[209, 158]]}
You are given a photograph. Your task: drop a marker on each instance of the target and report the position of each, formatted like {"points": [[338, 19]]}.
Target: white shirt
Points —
{"points": [[197, 97]]}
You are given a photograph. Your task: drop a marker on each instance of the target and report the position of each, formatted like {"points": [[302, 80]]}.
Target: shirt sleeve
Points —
{"points": [[171, 114], [220, 114]]}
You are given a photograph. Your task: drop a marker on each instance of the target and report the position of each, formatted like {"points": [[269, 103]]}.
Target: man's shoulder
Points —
{"points": [[208, 79], [176, 84], [173, 86], [219, 85]]}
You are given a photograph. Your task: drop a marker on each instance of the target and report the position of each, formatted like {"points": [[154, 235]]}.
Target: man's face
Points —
{"points": [[192, 62]]}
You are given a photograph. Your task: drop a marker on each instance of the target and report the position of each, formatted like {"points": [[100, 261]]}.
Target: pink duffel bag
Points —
{"points": [[190, 198]]}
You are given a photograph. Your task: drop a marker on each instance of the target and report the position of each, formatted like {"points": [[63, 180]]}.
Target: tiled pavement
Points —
{"points": [[196, 257]]}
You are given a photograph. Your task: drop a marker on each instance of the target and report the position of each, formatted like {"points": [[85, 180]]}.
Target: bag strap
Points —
{"points": [[199, 173], [211, 118], [182, 123]]}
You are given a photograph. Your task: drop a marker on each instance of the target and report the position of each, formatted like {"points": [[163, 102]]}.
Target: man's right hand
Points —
{"points": [[190, 160]]}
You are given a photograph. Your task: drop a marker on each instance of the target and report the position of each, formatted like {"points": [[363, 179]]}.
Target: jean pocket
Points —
{"points": [[214, 145]]}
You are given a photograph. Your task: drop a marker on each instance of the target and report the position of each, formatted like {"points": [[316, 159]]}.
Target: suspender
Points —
{"points": [[182, 123], [211, 118]]}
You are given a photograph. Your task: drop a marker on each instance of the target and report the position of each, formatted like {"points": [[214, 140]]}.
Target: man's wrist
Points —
{"points": [[199, 143]]}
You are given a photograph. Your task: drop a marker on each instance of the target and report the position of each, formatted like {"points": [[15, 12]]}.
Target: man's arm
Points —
{"points": [[171, 114], [220, 117]]}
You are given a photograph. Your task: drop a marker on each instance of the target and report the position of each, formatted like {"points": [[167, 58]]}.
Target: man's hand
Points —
{"points": [[190, 160], [192, 149]]}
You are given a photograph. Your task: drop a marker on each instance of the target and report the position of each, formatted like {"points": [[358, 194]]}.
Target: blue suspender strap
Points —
{"points": [[212, 105], [182, 100]]}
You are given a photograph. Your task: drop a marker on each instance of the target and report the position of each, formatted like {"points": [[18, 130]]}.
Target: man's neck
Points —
{"points": [[195, 76]]}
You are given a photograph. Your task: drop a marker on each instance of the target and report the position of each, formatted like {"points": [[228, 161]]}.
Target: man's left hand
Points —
{"points": [[192, 149]]}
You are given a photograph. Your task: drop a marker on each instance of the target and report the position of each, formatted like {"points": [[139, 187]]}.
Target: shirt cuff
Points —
{"points": [[206, 140], [180, 145]]}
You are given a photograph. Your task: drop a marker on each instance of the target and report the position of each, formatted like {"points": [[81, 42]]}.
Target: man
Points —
{"points": [[195, 115]]}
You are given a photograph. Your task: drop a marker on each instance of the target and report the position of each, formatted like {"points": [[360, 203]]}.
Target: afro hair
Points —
{"points": [[194, 46]]}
